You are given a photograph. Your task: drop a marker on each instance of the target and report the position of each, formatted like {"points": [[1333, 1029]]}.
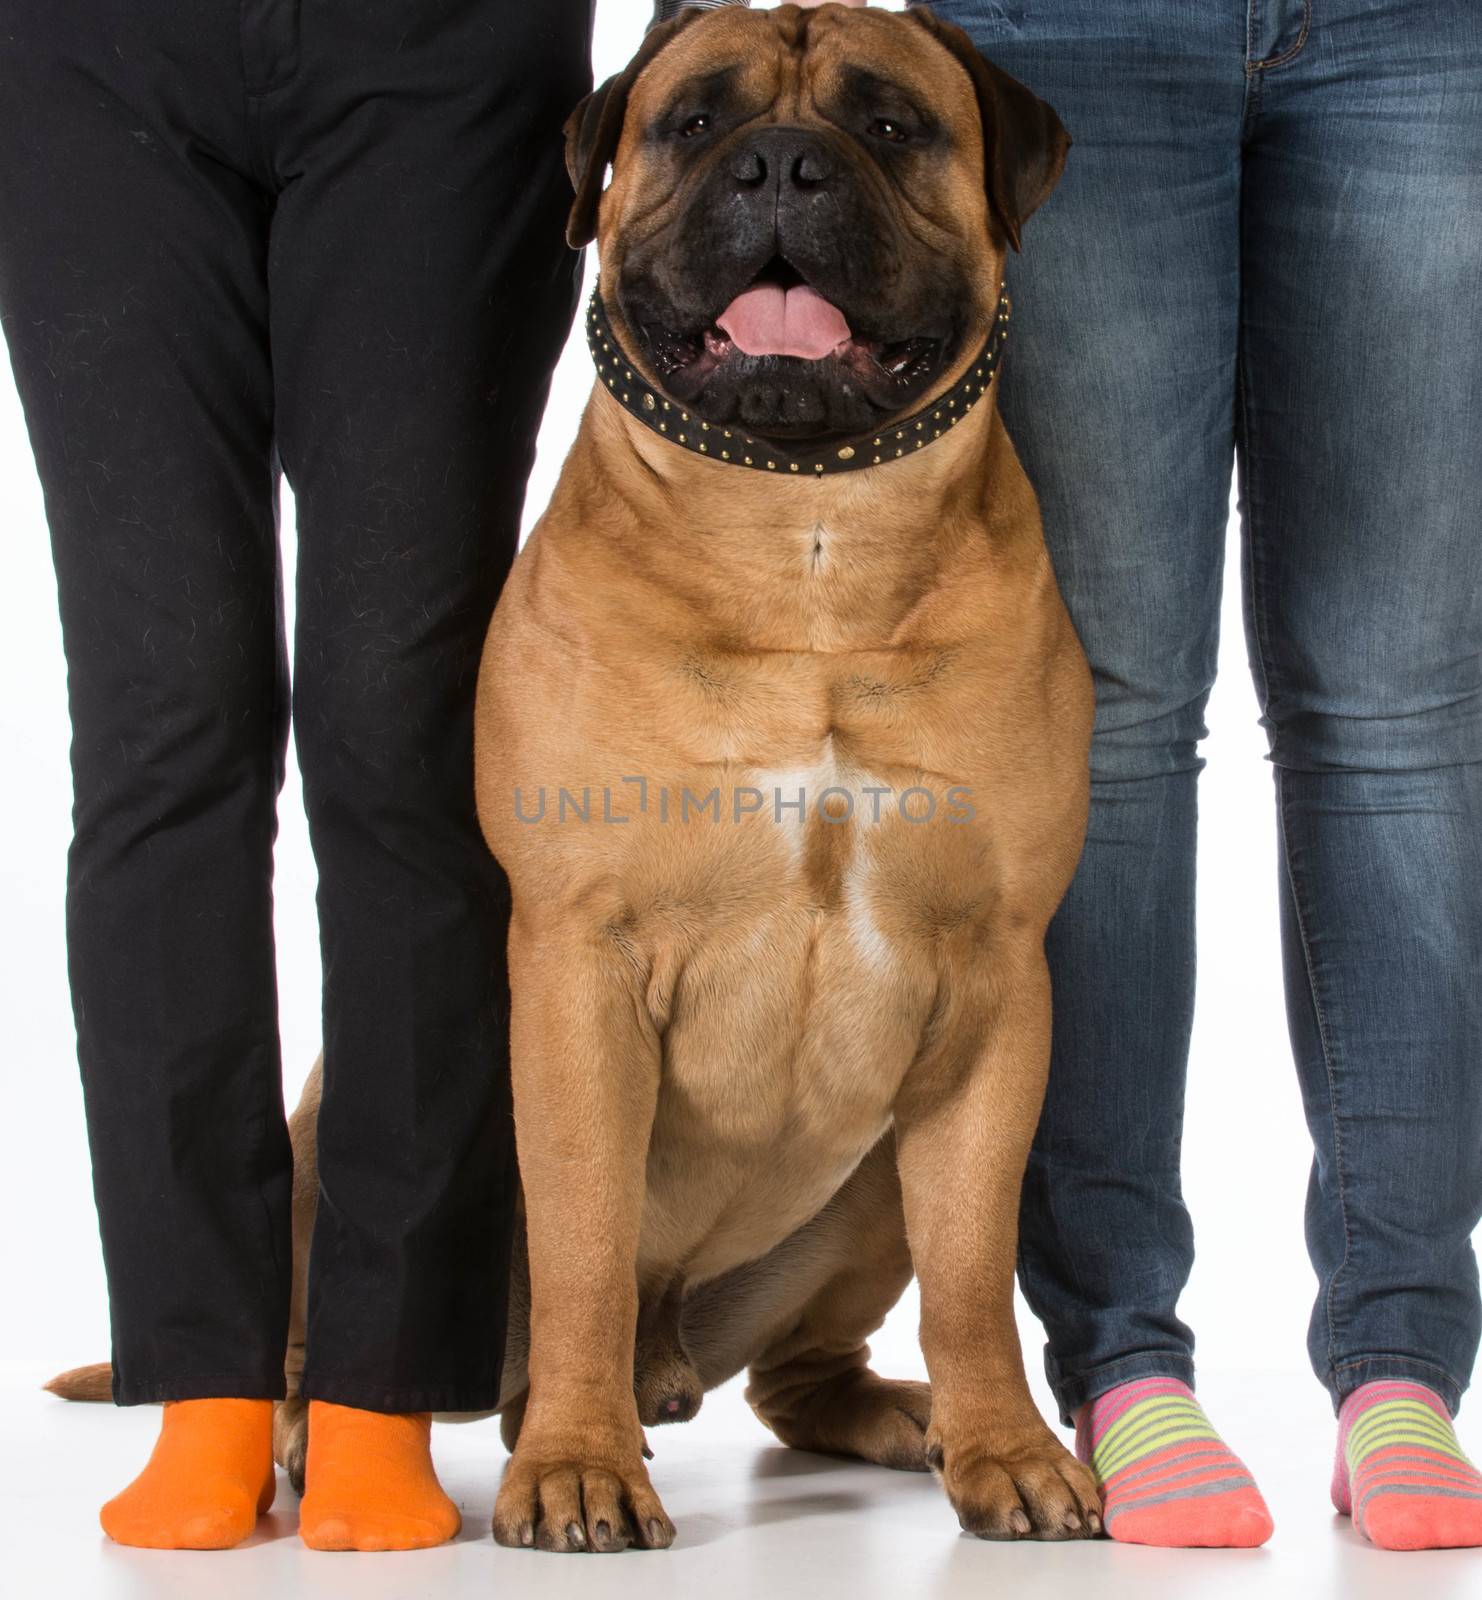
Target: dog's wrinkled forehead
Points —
{"points": [[792, 65], [821, 67]]}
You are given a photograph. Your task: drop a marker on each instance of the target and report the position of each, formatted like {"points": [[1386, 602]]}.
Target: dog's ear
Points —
{"points": [[1024, 142], [595, 127]]}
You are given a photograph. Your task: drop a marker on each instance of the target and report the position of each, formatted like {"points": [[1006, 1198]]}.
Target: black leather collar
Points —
{"points": [[667, 418]]}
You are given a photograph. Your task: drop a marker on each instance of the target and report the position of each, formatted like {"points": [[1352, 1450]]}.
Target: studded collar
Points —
{"points": [[684, 430]]}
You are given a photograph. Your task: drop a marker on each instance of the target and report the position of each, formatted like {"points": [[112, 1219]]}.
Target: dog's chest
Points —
{"points": [[802, 987], [832, 789]]}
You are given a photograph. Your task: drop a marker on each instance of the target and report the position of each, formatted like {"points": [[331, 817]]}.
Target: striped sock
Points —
{"points": [[1400, 1472], [1167, 1478]]}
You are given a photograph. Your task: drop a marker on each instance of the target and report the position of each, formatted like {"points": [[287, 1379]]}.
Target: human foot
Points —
{"points": [[369, 1483], [1166, 1477], [1400, 1472], [207, 1481]]}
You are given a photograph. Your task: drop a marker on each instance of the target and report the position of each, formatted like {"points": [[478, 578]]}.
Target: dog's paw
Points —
{"points": [[1033, 1491], [857, 1413], [550, 1503], [889, 1423], [291, 1439]]}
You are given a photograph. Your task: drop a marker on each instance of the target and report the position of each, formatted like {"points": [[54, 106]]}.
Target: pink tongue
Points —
{"points": [[771, 321]]}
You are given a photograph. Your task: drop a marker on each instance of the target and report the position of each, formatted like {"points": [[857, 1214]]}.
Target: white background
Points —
{"points": [[1246, 1151]]}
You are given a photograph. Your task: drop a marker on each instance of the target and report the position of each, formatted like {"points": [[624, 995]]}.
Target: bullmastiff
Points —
{"points": [[782, 739]]}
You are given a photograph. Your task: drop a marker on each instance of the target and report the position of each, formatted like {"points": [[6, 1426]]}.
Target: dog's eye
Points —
{"points": [[698, 124], [885, 128]]}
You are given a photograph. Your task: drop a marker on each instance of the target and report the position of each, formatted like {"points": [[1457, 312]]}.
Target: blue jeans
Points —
{"points": [[1267, 249]]}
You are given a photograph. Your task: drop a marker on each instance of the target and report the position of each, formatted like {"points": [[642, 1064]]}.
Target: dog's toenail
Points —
{"points": [[1018, 1522], [527, 1534], [574, 1533]]}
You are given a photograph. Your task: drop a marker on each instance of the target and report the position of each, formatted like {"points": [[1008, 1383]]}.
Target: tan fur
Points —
{"points": [[729, 1038], [93, 1382], [762, 1070]]}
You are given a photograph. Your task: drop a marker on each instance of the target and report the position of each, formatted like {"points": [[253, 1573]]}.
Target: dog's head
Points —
{"points": [[809, 209]]}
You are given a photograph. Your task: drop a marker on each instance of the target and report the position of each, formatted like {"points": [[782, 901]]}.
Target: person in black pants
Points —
{"points": [[325, 233]]}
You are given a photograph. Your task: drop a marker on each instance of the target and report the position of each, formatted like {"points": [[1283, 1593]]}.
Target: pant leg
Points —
{"points": [[421, 292], [132, 290], [1118, 391], [1361, 373]]}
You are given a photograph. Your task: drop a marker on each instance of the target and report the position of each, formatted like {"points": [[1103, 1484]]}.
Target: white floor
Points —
{"points": [[754, 1520]]}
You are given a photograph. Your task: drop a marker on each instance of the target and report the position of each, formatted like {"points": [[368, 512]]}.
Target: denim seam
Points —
{"points": [[1412, 1361], [1271, 62], [1413, 1368], [1072, 1390], [1255, 585], [1263, 652], [1327, 1057]]}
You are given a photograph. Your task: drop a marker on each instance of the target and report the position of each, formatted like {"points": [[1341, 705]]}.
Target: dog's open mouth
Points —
{"points": [[780, 314]]}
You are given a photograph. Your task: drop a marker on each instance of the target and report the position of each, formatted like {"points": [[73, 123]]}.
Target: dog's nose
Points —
{"points": [[783, 158]]}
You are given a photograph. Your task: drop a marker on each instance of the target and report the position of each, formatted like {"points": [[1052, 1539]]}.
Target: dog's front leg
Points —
{"points": [[586, 1071], [963, 1131]]}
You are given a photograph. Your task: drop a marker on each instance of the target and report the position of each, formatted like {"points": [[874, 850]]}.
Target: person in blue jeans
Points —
{"points": [[1267, 249], [1266, 252]]}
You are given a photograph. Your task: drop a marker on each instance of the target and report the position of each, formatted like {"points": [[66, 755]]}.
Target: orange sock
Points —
{"points": [[207, 1481], [369, 1483]]}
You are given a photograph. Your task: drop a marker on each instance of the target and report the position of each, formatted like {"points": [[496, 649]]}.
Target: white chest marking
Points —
{"points": [[865, 932], [796, 797]]}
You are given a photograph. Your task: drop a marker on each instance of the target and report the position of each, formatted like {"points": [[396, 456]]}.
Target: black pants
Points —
{"points": [[326, 232]]}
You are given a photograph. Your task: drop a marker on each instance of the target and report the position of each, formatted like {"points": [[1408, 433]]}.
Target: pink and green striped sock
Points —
{"points": [[1166, 1477], [1400, 1473]]}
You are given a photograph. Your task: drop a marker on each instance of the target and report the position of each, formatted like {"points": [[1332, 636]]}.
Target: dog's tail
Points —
{"points": [[83, 1383]]}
